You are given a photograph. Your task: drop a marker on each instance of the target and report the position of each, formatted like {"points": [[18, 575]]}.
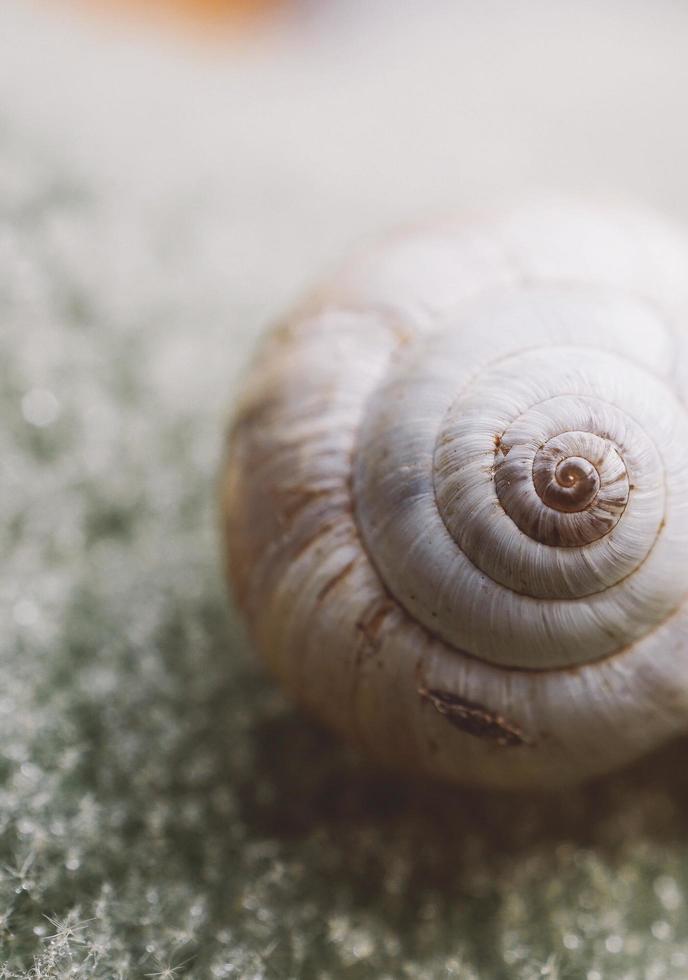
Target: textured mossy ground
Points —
{"points": [[163, 811]]}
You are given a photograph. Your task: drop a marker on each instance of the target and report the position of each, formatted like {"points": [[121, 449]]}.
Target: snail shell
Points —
{"points": [[456, 498]]}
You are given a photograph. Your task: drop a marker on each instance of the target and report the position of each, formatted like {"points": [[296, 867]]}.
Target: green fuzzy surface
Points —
{"points": [[163, 811]]}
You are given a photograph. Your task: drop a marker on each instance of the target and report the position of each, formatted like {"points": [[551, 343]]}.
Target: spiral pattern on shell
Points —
{"points": [[457, 499], [518, 486]]}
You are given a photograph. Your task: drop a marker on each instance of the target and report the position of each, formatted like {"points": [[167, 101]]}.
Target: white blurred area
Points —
{"points": [[266, 153]]}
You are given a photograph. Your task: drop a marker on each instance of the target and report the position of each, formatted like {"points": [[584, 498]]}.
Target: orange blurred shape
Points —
{"points": [[210, 11], [215, 8]]}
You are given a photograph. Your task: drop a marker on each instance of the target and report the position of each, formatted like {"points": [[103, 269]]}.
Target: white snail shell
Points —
{"points": [[456, 499]]}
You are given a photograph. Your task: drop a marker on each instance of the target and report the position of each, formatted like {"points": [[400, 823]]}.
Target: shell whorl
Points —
{"points": [[518, 506], [458, 490]]}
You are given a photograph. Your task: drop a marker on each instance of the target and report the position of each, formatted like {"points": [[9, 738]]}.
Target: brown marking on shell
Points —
{"points": [[336, 579], [474, 718], [300, 547], [371, 623], [368, 644], [295, 499]]}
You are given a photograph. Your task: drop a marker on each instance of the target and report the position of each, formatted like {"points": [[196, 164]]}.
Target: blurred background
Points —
{"points": [[172, 175]]}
